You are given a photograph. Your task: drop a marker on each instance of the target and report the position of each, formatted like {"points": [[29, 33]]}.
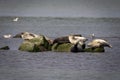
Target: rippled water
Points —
{"points": [[54, 27], [17, 65]]}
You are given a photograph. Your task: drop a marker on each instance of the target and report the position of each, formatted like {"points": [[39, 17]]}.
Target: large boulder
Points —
{"points": [[64, 47], [36, 45], [26, 46], [41, 41], [68, 47]]}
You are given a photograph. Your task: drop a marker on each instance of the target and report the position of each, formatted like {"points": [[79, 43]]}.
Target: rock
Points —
{"points": [[5, 48], [41, 40], [36, 45], [68, 47], [27, 46], [64, 47], [39, 48], [100, 49]]}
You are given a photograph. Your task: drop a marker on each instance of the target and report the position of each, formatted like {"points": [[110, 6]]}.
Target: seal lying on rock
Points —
{"points": [[29, 36], [77, 47], [74, 39], [78, 43], [68, 44], [64, 39], [26, 35], [97, 45]]}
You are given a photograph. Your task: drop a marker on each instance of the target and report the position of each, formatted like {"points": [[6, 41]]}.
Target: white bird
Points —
{"points": [[98, 43], [7, 36], [15, 19]]}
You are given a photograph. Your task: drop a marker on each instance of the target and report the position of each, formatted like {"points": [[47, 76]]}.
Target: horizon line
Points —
{"points": [[58, 16]]}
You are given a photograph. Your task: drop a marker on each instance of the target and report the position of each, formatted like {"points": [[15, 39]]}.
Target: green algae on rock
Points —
{"points": [[64, 47], [26, 46], [100, 49], [35, 45]]}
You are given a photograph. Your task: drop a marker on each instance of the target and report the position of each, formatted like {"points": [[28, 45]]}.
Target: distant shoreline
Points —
{"points": [[61, 17]]}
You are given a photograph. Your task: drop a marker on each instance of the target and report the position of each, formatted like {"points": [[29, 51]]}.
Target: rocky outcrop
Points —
{"points": [[71, 43], [35, 45], [68, 47], [5, 48]]}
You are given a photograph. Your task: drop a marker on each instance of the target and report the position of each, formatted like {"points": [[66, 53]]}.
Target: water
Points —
{"points": [[18, 65], [54, 27]]}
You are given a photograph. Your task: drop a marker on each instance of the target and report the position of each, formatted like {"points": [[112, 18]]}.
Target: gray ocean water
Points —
{"points": [[18, 65], [54, 27]]}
